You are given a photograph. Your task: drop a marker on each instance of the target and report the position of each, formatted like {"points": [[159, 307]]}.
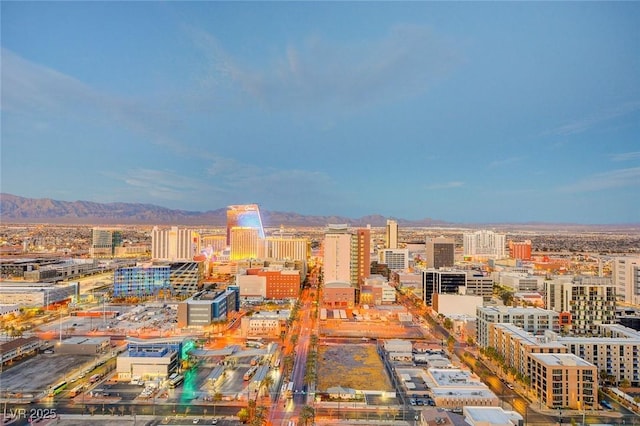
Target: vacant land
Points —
{"points": [[356, 366]]}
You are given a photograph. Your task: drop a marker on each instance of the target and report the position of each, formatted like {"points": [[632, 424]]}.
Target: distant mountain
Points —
{"points": [[15, 209]]}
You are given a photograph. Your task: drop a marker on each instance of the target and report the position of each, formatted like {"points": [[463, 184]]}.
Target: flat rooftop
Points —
{"points": [[562, 360]]}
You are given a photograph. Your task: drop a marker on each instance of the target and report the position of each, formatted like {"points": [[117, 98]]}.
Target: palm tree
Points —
{"points": [[307, 413], [266, 383]]}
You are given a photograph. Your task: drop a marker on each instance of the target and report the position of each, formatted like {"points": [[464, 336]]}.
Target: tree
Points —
{"points": [[450, 343], [306, 413], [243, 415], [266, 384], [448, 324]]}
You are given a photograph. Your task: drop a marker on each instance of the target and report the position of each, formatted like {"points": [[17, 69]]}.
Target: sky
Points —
{"points": [[468, 112]]}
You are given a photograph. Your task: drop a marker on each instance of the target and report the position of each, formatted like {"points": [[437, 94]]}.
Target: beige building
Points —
{"points": [[564, 381], [617, 352], [264, 324], [455, 388], [533, 320], [516, 344], [83, 345]]}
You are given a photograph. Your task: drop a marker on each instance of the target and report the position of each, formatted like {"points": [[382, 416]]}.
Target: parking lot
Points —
{"points": [[37, 374]]}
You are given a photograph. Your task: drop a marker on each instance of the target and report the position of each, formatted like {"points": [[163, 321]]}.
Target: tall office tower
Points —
{"points": [[361, 267], [484, 244], [244, 243], [337, 254], [288, 248], [440, 252], [104, 242], [174, 244], [441, 282], [520, 249], [391, 242], [626, 279], [591, 301], [244, 216]]}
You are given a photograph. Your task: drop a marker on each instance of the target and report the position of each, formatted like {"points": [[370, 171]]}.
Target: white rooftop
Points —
{"points": [[567, 360]]}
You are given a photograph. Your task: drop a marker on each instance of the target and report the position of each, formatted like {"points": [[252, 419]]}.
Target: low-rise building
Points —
{"points": [[80, 345], [205, 307], [264, 324], [455, 388], [148, 360], [18, 348], [338, 294], [491, 416]]}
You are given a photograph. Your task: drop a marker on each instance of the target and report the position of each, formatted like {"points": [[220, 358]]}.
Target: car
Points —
{"points": [[606, 404], [196, 421], [412, 402], [510, 386], [214, 421]]}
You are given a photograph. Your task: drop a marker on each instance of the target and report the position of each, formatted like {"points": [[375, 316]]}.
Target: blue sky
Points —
{"points": [[465, 112]]}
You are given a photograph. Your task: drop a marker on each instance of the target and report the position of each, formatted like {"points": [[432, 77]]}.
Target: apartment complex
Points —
{"points": [[564, 381], [616, 352], [533, 320], [591, 301], [626, 279]]}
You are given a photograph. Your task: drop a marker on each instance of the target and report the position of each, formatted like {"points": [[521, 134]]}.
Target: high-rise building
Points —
{"points": [[626, 279], [244, 243], [520, 250], [288, 248], [591, 301], [174, 244], [361, 254], [440, 252], [442, 282], [244, 216], [395, 259], [337, 254], [215, 243], [391, 241], [104, 242], [484, 244]]}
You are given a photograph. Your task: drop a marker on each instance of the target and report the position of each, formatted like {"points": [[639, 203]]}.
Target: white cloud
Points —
{"points": [[625, 156], [318, 72], [445, 185], [606, 180], [586, 123], [45, 94], [504, 162]]}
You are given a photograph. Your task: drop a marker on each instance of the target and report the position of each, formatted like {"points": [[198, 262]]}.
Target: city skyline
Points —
{"points": [[488, 112]]}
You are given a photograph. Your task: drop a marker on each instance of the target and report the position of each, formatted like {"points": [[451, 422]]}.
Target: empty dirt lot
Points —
{"points": [[355, 366]]}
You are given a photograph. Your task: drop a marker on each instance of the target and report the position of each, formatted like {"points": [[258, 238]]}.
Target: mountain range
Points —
{"points": [[15, 209]]}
